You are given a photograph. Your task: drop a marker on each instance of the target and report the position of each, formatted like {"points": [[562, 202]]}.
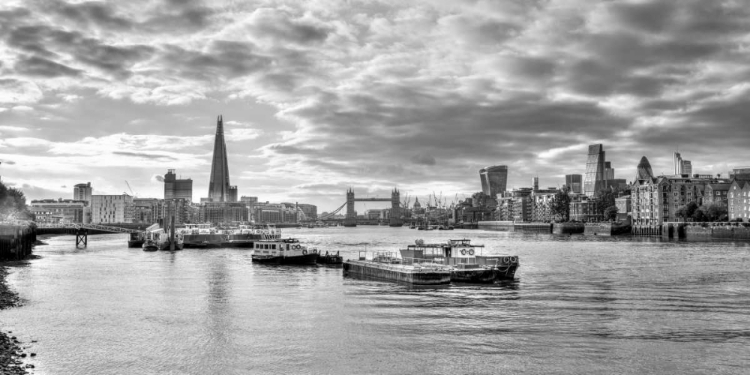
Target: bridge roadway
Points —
{"points": [[76, 226]]}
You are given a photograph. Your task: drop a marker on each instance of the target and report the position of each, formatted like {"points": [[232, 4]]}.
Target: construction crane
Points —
{"points": [[131, 189]]}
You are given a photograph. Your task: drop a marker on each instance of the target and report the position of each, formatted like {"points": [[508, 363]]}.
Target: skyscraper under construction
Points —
{"points": [[218, 187]]}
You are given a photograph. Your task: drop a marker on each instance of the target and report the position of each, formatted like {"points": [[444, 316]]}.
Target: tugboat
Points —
{"points": [[330, 258], [465, 261], [283, 251]]}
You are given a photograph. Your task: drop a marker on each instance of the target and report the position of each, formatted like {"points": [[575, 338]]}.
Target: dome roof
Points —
{"points": [[644, 170]]}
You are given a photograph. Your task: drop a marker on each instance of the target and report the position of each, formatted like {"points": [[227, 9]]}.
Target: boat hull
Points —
{"points": [[150, 248], [165, 246], [305, 259], [484, 275], [397, 273], [330, 259], [135, 243]]}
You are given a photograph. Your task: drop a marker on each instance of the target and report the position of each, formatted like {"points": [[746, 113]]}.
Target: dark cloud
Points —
{"points": [[39, 66], [49, 42], [423, 159], [9, 162], [89, 13], [145, 155], [279, 25], [178, 15], [222, 59], [157, 178]]}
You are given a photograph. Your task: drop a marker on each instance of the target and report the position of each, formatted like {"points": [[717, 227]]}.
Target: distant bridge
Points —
{"points": [[77, 226]]}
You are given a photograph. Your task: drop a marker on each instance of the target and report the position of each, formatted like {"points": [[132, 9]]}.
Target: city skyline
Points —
{"points": [[320, 97]]}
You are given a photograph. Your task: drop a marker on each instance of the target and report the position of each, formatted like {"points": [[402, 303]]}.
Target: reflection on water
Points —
{"points": [[578, 305]]}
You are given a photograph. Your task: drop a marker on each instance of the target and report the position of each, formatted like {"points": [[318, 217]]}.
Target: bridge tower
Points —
{"points": [[351, 216], [396, 209]]}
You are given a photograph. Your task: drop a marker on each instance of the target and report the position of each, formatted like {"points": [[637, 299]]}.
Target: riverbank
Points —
{"points": [[11, 352]]}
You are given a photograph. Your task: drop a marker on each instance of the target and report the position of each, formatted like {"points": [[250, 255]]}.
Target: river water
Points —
{"points": [[578, 306]]}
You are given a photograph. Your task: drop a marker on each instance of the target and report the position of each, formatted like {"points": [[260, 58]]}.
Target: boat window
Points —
{"points": [[273, 246]]}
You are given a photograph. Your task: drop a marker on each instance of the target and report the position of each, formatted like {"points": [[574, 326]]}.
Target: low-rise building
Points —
{"points": [[739, 200], [584, 208], [717, 193], [223, 212], [541, 205], [59, 210]]}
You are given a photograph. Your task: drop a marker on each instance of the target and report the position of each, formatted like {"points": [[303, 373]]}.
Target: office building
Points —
{"points": [[224, 212], [175, 188], [535, 183], [109, 209], [218, 186], [644, 171], [82, 192], [595, 178], [574, 182], [494, 179], [310, 211], [687, 167], [609, 172]]}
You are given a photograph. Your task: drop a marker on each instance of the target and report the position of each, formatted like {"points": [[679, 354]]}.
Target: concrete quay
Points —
{"points": [[16, 241]]}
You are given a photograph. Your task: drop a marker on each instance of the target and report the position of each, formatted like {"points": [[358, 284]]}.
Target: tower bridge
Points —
{"points": [[395, 199]]}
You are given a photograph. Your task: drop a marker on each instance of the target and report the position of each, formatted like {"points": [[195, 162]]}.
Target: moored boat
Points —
{"points": [[136, 239], [466, 261], [150, 245], [206, 236], [386, 266], [283, 251]]}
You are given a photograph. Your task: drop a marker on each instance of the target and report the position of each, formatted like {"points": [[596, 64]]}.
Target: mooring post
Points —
{"points": [[82, 237]]}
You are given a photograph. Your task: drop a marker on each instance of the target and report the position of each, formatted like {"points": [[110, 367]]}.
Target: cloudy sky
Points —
{"points": [[318, 96]]}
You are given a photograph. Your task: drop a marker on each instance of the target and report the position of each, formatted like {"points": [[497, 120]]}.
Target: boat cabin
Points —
{"points": [[280, 247], [455, 253]]}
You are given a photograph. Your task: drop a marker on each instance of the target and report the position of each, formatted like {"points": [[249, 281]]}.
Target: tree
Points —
{"points": [[605, 199], [560, 206], [610, 213], [12, 203], [687, 211], [714, 211]]}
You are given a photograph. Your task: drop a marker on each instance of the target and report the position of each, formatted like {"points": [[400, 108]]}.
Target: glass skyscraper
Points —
{"points": [[218, 186], [494, 179], [574, 183], [595, 177]]}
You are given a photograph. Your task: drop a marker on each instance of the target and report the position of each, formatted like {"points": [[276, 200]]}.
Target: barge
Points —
{"points": [[206, 236], [386, 266]]}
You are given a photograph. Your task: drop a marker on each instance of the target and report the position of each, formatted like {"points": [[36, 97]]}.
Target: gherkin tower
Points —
{"points": [[218, 186]]}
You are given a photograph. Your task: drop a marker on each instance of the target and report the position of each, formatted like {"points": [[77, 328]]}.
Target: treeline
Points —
{"points": [[707, 212], [13, 204]]}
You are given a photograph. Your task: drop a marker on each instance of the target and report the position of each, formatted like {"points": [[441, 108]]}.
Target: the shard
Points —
{"points": [[218, 187]]}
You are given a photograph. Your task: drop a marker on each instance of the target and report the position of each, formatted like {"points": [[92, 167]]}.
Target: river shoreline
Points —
{"points": [[11, 352]]}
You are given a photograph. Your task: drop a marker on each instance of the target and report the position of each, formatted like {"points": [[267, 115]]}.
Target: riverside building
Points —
{"points": [[109, 209], [82, 192], [175, 188]]}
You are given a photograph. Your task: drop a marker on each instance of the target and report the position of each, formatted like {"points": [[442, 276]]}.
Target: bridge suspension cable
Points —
{"points": [[334, 212]]}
